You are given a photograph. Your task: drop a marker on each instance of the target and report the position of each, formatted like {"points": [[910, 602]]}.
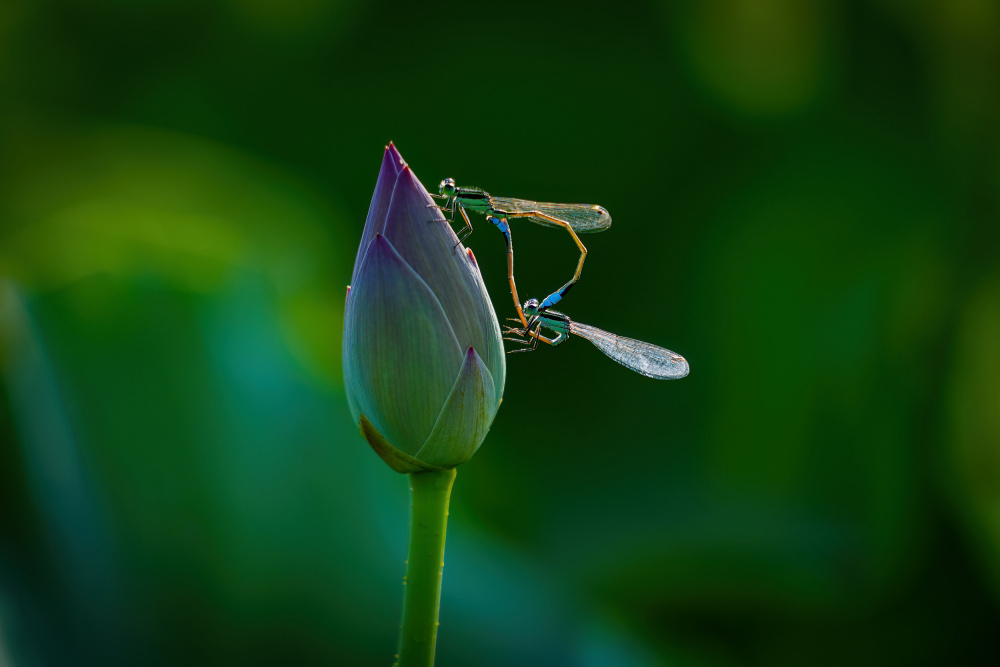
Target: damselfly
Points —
{"points": [[644, 358], [582, 218]]}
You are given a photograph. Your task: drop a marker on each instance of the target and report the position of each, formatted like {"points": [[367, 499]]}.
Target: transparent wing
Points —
{"points": [[649, 360], [581, 217]]}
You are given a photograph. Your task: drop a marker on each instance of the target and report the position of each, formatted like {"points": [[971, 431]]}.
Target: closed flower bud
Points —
{"points": [[423, 358]]}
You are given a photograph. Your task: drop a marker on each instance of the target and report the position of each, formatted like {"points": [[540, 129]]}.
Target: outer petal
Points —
{"points": [[400, 352], [351, 405], [496, 359], [375, 223], [427, 243], [394, 458], [465, 419]]}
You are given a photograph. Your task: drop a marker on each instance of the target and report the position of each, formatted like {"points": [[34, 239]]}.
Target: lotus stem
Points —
{"points": [[429, 496]]}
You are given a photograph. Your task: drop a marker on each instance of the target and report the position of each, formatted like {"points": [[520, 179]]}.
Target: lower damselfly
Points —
{"points": [[574, 218], [645, 358]]}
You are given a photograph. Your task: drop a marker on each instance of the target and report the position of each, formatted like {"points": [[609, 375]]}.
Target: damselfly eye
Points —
{"points": [[447, 187]]}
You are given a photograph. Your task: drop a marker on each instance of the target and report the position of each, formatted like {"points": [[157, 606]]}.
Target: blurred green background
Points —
{"points": [[806, 198]]}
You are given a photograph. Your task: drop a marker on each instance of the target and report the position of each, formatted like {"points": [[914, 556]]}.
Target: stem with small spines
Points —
{"points": [[429, 496]]}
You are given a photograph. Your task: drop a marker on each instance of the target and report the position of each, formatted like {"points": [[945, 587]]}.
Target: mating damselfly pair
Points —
{"points": [[645, 358]]}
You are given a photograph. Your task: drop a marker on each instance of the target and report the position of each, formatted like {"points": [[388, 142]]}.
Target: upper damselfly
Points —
{"points": [[645, 358], [574, 218]]}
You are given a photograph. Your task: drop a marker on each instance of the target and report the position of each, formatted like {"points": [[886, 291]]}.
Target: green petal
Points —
{"points": [[465, 419], [400, 353], [397, 460]]}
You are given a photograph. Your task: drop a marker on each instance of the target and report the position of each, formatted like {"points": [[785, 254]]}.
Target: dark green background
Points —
{"points": [[806, 198]]}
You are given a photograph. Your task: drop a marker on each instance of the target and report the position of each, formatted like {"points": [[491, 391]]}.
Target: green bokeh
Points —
{"points": [[806, 198]]}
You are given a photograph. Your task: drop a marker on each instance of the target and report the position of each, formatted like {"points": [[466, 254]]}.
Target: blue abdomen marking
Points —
{"points": [[550, 300], [500, 223]]}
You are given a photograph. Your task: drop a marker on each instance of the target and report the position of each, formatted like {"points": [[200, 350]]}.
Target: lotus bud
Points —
{"points": [[423, 357]]}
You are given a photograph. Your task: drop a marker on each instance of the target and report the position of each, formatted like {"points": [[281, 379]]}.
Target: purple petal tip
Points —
{"points": [[395, 153]]}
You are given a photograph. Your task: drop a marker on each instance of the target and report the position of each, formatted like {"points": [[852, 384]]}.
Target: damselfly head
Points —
{"points": [[447, 187], [530, 307]]}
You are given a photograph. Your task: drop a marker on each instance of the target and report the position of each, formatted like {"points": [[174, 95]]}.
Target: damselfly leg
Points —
{"points": [[463, 233]]}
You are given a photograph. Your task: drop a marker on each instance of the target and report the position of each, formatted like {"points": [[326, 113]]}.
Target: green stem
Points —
{"points": [[429, 495]]}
